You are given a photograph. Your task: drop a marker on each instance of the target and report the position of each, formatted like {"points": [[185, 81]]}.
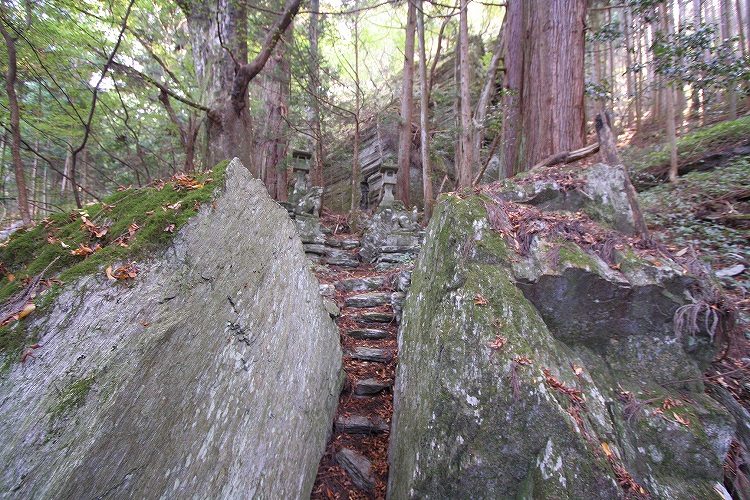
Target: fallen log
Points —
{"points": [[568, 156]]}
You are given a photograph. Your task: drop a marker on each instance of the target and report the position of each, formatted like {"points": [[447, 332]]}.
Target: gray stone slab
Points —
{"points": [[370, 354], [376, 317], [341, 258], [358, 467], [367, 333], [370, 387], [360, 284], [358, 424], [370, 299]]}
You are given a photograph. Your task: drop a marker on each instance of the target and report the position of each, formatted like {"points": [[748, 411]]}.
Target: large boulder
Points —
{"points": [[537, 365], [215, 373]]}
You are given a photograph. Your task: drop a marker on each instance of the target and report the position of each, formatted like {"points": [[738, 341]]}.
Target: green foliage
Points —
{"points": [[691, 56]]}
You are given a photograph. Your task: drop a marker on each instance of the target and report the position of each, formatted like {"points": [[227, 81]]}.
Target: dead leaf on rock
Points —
{"points": [[82, 250], [479, 300], [125, 272], [498, 343]]}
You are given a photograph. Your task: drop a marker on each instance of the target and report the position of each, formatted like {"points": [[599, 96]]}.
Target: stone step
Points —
{"points": [[374, 317], [370, 387], [341, 258], [358, 467], [360, 284], [359, 424], [371, 354], [370, 299], [367, 333]]}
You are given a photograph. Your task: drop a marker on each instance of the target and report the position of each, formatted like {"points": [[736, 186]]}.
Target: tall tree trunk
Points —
{"points": [[552, 87], [488, 92], [726, 34], [407, 106], [314, 95], [357, 105], [218, 35], [513, 63], [669, 106], [630, 87], [15, 124], [274, 140], [464, 146], [424, 126]]}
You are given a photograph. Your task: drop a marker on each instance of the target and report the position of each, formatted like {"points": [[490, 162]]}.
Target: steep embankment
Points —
{"points": [[213, 373]]}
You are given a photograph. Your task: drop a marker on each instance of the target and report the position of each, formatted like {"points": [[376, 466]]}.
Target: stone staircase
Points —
{"points": [[366, 303]]}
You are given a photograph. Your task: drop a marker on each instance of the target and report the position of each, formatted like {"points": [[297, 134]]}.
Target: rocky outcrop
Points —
{"points": [[213, 374], [392, 237], [545, 365]]}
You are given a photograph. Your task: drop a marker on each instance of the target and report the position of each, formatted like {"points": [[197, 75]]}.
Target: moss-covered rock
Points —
{"points": [[521, 377], [212, 374]]}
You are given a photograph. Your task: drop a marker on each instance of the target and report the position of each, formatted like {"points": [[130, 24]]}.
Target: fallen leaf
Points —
{"points": [[27, 309], [169, 229], [523, 360], [498, 343], [606, 449], [133, 228], [11, 278], [82, 250], [108, 271], [145, 323], [681, 420], [681, 252], [577, 370], [480, 301], [150, 212]]}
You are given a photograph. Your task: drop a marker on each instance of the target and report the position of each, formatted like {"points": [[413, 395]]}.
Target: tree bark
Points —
{"points": [[464, 146], [424, 103], [218, 35], [513, 63], [407, 106], [314, 95], [551, 91], [274, 139], [669, 116], [488, 92], [15, 124]]}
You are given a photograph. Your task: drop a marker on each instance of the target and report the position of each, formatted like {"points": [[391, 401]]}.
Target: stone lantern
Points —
{"points": [[300, 168], [388, 175]]}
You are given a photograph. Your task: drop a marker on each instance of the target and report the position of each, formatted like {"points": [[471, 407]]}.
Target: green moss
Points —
{"points": [[695, 143], [71, 398], [28, 253]]}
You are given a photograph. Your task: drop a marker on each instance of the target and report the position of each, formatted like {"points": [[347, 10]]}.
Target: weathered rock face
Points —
{"points": [[522, 377], [214, 374], [392, 236]]}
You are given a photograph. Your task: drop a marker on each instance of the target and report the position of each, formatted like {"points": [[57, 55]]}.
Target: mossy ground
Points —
{"points": [[158, 211], [673, 211], [690, 147]]}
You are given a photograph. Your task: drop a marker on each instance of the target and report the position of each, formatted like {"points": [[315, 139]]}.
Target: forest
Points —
{"points": [[101, 95], [513, 257]]}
